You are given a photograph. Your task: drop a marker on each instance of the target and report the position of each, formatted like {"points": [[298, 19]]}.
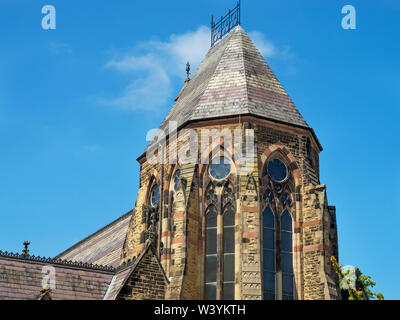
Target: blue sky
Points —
{"points": [[76, 104]]}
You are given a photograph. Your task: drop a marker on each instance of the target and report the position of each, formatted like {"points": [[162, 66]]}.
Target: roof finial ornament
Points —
{"points": [[186, 81], [188, 70], [187, 73], [25, 251]]}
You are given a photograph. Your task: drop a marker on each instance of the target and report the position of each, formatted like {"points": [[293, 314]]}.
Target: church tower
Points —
{"points": [[230, 204]]}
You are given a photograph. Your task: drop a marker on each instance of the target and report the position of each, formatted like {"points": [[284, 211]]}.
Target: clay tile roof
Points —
{"points": [[21, 278]]}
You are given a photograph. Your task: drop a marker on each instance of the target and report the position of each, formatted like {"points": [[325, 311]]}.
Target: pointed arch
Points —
{"points": [[154, 179], [280, 189], [228, 195], [228, 242], [171, 187], [218, 151], [279, 149], [219, 199]]}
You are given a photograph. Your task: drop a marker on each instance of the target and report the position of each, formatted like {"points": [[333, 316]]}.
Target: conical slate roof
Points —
{"points": [[234, 79]]}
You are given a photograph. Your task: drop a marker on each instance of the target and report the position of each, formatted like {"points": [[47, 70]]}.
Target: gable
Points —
{"points": [[146, 282]]}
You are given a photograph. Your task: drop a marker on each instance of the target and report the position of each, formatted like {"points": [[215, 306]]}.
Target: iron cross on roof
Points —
{"points": [[222, 27], [188, 69]]}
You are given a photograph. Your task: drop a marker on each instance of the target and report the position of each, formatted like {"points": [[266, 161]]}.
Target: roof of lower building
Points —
{"points": [[25, 277]]}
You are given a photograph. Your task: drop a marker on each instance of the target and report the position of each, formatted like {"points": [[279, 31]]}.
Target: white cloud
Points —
{"points": [[269, 49], [155, 65], [266, 48], [150, 88], [191, 46]]}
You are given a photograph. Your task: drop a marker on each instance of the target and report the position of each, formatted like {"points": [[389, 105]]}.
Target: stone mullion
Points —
{"points": [[202, 234], [295, 240], [278, 241], [158, 226], [219, 251], [274, 204]]}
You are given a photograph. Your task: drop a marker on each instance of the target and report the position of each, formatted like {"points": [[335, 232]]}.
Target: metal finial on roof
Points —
{"points": [[222, 27], [25, 251], [188, 69]]}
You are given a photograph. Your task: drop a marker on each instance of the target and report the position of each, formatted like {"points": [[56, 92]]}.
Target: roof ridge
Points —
{"points": [[95, 233], [62, 262], [266, 89], [197, 74], [247, 85], [220, 69]]}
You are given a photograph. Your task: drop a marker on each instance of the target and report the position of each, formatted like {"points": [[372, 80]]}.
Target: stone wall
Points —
{"points": [[147, 282]]}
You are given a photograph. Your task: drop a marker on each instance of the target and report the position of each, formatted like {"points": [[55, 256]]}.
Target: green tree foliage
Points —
{"points": [[363, 283]]}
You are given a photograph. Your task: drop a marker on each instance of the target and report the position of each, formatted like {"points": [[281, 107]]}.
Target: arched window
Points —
{"points": [[287, 256], [277, 191], [219, 198], [211, 267], [150, 217], [229, 253], [268, 254], [173, 187], [176, 179], [154, 195]]}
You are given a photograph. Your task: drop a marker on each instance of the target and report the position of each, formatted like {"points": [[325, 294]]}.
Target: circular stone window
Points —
{"points": [[221, 170], [155, 196], [176, 179], [277, 170]]}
